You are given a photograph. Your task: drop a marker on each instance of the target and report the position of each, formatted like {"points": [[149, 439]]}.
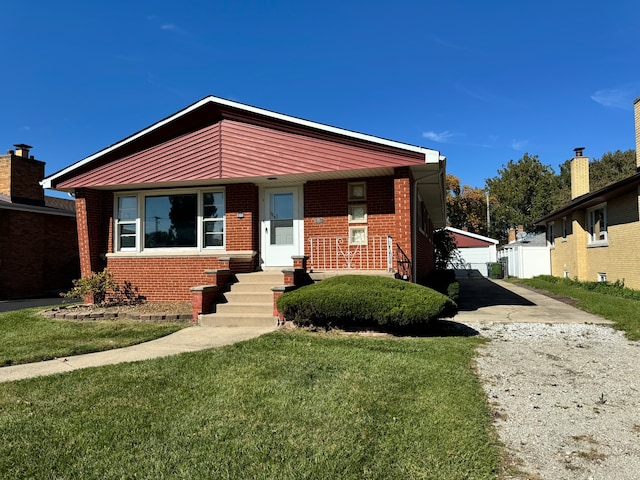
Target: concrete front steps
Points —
{"points": [[249, 302]]}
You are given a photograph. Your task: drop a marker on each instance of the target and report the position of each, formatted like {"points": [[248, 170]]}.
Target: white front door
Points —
{"points": [[281, 226]]}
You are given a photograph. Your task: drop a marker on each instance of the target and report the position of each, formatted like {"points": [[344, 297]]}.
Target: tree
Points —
{"points": [[524, 192], [466, 206]]}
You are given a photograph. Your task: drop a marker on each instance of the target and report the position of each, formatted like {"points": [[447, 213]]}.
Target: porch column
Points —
{"points": [[94, 210]]}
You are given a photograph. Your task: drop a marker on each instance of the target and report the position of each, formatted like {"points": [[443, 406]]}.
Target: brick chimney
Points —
{"points": [[579, 174], [512, 235], [20, 176], [636, 112]]}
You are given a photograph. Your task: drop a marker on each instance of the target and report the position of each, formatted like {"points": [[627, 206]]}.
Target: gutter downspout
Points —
{"points": [[414, 215]]}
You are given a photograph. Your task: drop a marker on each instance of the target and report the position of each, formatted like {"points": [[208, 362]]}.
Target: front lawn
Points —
{"points": [[287, 405], [27, 337]]}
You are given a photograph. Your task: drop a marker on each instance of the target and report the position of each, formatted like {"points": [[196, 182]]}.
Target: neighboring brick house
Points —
{"points": [[38, 237], [594, 237], [221, 185]]}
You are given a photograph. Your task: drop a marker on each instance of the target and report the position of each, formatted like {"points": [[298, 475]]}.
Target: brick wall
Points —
{"points": [[94, 211], [164, 278], [389, 212], [242, 233], [38, 253], [618, 259]]}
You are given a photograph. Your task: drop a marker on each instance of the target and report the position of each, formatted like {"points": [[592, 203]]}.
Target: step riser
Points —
{"points": [[216, 320], [249, 297], [252, 287], [239, 309]]}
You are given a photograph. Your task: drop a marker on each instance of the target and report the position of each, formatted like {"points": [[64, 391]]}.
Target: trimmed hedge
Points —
{"points": [[359, 301]]}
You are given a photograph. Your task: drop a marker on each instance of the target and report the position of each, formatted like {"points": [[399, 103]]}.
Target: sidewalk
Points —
{"points": [[188, 339]]}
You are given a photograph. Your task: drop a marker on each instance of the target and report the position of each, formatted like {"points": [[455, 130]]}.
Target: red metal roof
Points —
{"points": [[220, 139], [232, 149]]}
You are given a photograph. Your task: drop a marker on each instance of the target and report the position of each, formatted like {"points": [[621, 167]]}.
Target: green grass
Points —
{"points": [[288, 405], [608, 301], [27, 337]]}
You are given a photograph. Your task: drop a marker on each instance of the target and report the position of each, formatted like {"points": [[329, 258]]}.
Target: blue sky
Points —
{"points": [[482, 82]]}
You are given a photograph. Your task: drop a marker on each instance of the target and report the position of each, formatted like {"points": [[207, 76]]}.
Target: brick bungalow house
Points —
{"points": [[593, 237], [38, 237], [223, 186]]}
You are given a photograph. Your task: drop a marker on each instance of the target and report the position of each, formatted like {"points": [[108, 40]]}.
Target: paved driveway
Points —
{"points": [[496, 301], [10, 305]]}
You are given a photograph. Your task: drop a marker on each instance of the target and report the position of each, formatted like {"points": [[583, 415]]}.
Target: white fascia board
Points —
{"points": [[472, 235], [430, 156]]}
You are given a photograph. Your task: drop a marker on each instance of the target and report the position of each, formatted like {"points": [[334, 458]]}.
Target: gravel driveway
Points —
{"points": [[566, 399], [565, 391]]}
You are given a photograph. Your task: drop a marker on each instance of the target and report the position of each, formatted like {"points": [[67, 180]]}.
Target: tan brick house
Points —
{"points": [[38, 237], [223, 186], [593, 237]]}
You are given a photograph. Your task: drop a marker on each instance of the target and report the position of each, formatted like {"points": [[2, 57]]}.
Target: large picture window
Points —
{"points": [[161, 220]]}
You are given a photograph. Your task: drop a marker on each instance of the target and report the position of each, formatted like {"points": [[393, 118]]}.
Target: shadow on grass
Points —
{"points": [[435, 328]]}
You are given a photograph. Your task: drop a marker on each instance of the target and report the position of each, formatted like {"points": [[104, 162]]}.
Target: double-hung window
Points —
{"points": [[191, 220], [126, 223], [597, 224], [551, 238]]}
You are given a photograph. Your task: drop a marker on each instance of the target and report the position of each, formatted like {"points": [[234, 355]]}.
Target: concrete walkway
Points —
{"points": [[496, 301], [188, 339]]}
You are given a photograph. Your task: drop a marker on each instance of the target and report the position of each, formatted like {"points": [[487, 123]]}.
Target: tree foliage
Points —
{"points": [[523, 192], [466, 206]]}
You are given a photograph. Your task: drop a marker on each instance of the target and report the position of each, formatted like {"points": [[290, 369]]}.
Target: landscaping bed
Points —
{"points": [[148, 311]]}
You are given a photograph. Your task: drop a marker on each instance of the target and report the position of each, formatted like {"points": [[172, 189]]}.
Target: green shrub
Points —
{"points": [[105, 290], [359, 301]]}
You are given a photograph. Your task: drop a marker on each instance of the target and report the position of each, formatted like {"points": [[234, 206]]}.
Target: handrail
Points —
{"points": [[404, 264]]}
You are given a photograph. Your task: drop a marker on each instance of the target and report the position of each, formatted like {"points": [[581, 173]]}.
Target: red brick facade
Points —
{"points": [[168, 277]]}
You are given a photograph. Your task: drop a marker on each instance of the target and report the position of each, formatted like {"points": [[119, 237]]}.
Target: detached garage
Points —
{"points": [[474, 251]]}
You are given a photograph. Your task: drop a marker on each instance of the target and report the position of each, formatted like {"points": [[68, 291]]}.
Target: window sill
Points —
{"points": [[601, 243], [183, 253]]}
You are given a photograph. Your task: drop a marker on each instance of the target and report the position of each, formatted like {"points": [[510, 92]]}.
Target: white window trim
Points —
{"points": [[599, 242], [118, 222], [140, 196]]}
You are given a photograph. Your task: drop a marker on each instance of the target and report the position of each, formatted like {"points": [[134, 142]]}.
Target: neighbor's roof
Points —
{"points": [[430, 156], [475, 236], [594, 198]]}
